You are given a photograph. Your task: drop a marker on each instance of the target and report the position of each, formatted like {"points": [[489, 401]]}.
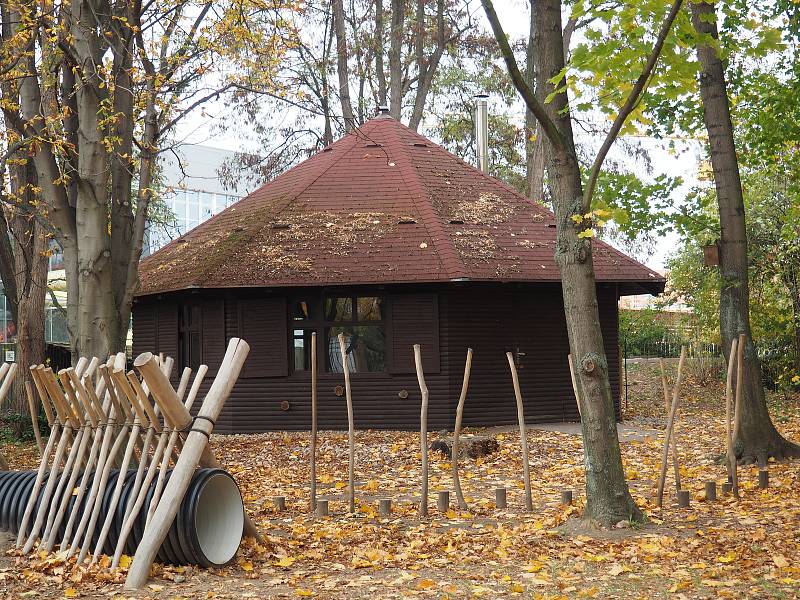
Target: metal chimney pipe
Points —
{"points": [[482, 131]]}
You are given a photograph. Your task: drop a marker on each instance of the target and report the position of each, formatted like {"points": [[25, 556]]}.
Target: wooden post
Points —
{"points": [[670, 422], [33, 409], [196, 442], [674, 443], [737, 409], [732, 364], [500, 498], [462, 504], [313, 451], [423, 431], [574, 384], [526, 470], [351, 438]]}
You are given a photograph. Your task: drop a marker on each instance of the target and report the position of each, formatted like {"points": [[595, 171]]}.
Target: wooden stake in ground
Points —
{"points": [[732, 363], [196, 442], [313, 474], [574, 384], [526, 470], [351, 438], [675, 466], [462, 504], [423, 431], [670, 422]]}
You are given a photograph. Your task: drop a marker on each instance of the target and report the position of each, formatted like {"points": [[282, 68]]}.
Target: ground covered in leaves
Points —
{"points": [[728, 548]]}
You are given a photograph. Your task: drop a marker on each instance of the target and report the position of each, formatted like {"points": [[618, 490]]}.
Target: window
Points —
{"points": [[360, 320], [301, 342]]}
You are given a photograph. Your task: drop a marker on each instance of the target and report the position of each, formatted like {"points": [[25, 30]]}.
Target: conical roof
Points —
{"points": [[381, 205]]}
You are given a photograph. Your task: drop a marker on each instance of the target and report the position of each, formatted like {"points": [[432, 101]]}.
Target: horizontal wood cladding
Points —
{"points": [[414, 319], [492, 319]]}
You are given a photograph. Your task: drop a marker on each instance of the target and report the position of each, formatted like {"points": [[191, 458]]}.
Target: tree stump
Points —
{"points": [[469, 446]]}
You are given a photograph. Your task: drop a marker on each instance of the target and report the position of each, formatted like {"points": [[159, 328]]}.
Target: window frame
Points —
{"points": [[318, 323]]}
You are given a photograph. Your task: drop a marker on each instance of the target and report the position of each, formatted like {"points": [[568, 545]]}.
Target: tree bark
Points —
{"points": [[608, 498], [395, 65], [341, 65], [534, 140], [380, 75], [757, 439]]}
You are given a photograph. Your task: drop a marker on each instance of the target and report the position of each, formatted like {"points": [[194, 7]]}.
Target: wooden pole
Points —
{"points": [[174, 436], [670, 422], [526, 470], [175, 412], [462, 504], [351, 437], [34, 410], [732, 365], [674, 443], [737, 409], [196, 441], [313, 451], [423, 431], [7, 379], [574, 384]]}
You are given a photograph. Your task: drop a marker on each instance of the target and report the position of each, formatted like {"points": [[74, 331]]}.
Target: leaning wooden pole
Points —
{"points": [[462, 504], [34, 411], [670, 422], [732, 365], [574, 384], [174, 410], [313, 451], [526, 469], [423, 430], [665, 389], [351, 436], [196, 442]]}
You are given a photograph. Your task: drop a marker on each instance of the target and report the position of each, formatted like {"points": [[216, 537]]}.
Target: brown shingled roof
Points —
{"points": [[381, 205]]}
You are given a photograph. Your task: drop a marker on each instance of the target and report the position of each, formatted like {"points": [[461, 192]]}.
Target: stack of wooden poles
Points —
{"points": [[106, 423]]}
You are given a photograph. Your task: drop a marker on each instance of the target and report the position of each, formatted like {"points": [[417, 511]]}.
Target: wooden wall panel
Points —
{"points": [[414, 320]]}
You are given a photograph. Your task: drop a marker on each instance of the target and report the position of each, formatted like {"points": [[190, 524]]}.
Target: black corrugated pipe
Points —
{"points": [[207, 530]]}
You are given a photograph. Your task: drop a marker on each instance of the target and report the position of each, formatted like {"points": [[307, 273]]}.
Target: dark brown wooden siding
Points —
{"points": [[492, 319], [414, 320]]}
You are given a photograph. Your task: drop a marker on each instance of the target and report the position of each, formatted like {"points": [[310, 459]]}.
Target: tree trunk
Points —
{"points": [[534, 138], [608, 498], [341, 65], [379, 41], [395, 66], [756, 438]]}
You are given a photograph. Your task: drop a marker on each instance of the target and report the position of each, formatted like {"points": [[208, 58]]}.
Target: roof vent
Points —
{"points": [[420, 145], [406, 221], [374, 145], [383, 110], [551, 225], [281, 225], [456, 221], [327, 149], [482, 131]]}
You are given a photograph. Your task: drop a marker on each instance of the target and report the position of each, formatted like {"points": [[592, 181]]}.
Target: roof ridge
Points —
{"points": [[449, 258]]}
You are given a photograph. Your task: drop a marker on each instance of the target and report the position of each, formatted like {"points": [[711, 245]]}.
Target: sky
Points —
{"points": [[201, 128]]}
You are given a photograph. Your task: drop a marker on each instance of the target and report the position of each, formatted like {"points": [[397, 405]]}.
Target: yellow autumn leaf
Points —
{"points": [[426, 584], [303, 592], [517, 588], [727, 558], [125, 561], [70, 592], [780, 561], [286, 561], [246, 566]]}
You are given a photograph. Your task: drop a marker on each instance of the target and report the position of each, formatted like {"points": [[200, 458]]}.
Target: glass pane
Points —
{"points": [[302, 349], [369, 308], [302, 310], [338, 309], [365, 346]]}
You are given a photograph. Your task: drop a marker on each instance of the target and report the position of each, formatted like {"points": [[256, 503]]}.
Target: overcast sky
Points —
{"points": [[200, 128]]}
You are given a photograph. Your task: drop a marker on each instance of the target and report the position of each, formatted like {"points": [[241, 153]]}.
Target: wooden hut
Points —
{"points": [[388, 238]]}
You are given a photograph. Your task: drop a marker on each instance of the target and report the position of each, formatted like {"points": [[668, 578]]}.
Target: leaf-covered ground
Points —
{"points": [[728, 548]]}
